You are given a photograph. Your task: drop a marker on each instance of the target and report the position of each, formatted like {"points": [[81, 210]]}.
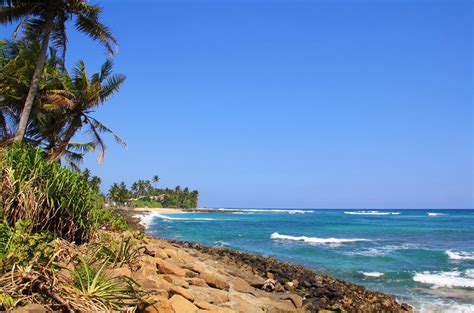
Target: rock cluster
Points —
{"points": [[305, 289], [185, 280]]}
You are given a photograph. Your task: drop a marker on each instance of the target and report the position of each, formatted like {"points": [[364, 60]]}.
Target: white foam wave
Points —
{"points": [[370, 213], [460, 255], [381, 250], [372, 274], [436, 214], [147, 219], [316, 240], [289, 211], [446, 279]]}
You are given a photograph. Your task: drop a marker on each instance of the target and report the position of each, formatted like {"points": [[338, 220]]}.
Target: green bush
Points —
{"points": [[51, 197], [143, 203], [110, 219], [20, 248]]}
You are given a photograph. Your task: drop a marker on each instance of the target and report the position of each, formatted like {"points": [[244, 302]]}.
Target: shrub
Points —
{"points": [[108, 293], [51, 197], [110, 219], [125, 252], [17, 247]]}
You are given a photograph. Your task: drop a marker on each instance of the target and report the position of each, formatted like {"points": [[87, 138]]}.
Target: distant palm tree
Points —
{"points": [[45, 21], [156, 179]]}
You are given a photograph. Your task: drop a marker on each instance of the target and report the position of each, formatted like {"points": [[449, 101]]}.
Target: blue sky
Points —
{"points": [[326, 104]]}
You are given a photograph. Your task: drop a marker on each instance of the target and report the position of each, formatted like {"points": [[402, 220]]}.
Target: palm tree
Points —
{"points": [[156, 179], [45, 21], [17, 64], [75, 106]]}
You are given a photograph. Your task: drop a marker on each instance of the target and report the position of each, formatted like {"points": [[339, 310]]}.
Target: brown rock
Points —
{"points": [[197, 282], [175, 280], [181, 305], [165, 267], [204, 305], [163, 306], [181, 291], [270, 275], [121, 271], [240, 285], [214, 280], [297, 300], [210, 295]]}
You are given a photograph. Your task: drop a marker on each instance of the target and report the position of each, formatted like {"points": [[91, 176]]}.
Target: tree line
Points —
{"points": [[145, 193]]}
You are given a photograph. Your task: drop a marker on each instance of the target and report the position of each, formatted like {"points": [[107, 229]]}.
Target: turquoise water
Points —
{"points": [[424, 257]]}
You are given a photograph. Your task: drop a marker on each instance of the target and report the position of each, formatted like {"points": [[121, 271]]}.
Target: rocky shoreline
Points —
{"points": [[266, 277], [319, 292]]}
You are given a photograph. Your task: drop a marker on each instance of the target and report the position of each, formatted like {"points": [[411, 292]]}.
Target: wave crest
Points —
{"points": [[445, 279], [372, 274], [436, 214], [316, 240], [370, 213], [460, 255]]}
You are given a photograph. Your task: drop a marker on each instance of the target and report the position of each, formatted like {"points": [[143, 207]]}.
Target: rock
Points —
{"points": [[214, 280], [270, 275], [165, 267], [210, 295], [120, 271], [175, 280], [31, 308], [240, 285], [204, 305], [295, 299], [197, 282], [181, 291], [181, 305], [163, 306]]}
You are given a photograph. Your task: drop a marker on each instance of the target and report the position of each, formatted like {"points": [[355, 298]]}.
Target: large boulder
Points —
{"points": [[163, 306], [210, 295], [165, 267], [215, 280], [182, 305], [181, 291]]}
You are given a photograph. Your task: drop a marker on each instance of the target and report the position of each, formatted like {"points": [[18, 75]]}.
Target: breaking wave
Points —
{"points": [[372, 274], [370, 213], [316, 240], [460, 255], [435, 214], [147, 219], [446, 279], [289, 211]]}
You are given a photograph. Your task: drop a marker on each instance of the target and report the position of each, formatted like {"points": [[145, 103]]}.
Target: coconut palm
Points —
{"points": [[45, 22], [156, 179], [17, 64], [75, 106]]}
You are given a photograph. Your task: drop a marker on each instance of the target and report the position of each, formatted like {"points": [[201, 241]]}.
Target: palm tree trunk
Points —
{"points": [[25, 114]]}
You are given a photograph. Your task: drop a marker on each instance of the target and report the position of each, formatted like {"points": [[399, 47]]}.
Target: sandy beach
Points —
{"points": [[158, 210]]}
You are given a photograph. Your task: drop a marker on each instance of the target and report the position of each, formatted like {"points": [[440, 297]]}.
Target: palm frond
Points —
{"points": [[12, 14], [111, 86], [88, 23], [81, 147], [101, 127]]}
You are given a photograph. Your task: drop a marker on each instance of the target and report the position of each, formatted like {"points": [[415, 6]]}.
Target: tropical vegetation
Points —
{"points": [[143, 194], [55, 242]]}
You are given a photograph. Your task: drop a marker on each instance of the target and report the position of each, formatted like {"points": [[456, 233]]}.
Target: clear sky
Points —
{"points": [[318, 104]]}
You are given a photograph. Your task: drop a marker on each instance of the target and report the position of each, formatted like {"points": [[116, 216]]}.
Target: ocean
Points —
{"points": [[424, 257]]}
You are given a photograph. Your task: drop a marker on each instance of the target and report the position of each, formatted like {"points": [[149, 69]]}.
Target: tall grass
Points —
{"points": [[49, 196]]}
